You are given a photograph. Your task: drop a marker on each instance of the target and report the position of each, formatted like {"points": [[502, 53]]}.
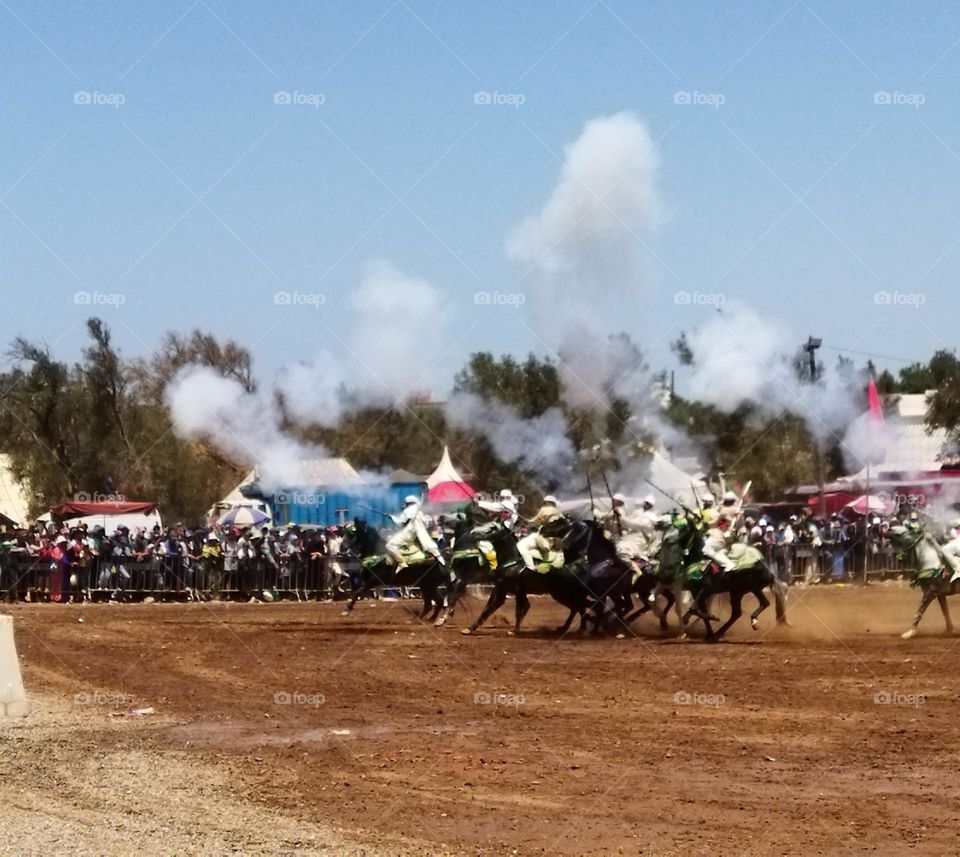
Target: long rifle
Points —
{"points": [[375, 511], [593, 508], [671, 498], [613, 508]]}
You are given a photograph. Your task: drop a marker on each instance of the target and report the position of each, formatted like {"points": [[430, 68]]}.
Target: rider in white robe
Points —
{"points": [[412, 533]]}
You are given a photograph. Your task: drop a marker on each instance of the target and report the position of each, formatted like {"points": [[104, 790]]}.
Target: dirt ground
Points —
{"points": [[287, 729]]}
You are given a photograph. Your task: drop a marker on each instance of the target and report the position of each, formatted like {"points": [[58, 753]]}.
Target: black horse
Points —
{"points": [[469, 562], [604, 574], [703, 579], [592, 573], [511, 577], [377, 569]]}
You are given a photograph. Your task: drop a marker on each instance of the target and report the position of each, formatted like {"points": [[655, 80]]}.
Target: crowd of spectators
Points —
{"points": [[63, 563], [802, 547], [70, 563]]}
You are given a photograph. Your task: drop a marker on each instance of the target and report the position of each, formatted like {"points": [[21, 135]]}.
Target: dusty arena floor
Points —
{"points": [[287, 729]]}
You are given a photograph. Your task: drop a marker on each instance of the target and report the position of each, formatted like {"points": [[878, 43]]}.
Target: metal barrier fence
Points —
{"points": [[857, 561], [173, 578]]}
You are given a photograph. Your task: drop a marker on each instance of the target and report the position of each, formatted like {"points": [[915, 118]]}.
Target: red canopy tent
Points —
{"points": [[445, 484], [79, 509]]}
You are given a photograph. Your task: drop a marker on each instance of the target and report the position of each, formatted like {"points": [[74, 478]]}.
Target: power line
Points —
{"points": [[869, 354]]}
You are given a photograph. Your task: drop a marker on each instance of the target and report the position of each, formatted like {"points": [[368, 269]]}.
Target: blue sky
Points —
{"points": [[784, 183]]}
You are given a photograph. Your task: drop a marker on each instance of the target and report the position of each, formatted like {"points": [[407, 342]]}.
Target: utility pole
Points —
{"points": [[811, 347]]}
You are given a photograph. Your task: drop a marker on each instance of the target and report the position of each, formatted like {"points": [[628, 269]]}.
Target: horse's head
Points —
{"points": [[903, 536], [557, 528], [361, 538]]}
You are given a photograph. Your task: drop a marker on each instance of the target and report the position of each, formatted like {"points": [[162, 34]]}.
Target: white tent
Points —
{"points": [[13, 501], [663, 473]]}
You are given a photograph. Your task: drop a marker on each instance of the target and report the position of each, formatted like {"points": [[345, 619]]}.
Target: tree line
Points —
{"points": [[101, 425]]}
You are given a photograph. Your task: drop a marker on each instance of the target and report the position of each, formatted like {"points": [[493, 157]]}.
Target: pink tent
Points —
{"points": [[445, 485]]}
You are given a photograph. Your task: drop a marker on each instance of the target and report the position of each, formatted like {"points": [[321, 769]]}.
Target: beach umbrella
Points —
{"points": [[243, 516], [872, 504]]}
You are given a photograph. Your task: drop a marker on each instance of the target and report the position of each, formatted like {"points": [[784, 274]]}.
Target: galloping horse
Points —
{"points": [[933, 575], [703, 579], [511, 577], [601, 572], [376, 569]]}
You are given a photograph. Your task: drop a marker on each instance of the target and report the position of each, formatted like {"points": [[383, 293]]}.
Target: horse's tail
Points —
{"points": [[780, 590]]}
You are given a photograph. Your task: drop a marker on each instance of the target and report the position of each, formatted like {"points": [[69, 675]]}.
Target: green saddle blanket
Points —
{"points": [[745, 556], [696, 570], [543, 564]]}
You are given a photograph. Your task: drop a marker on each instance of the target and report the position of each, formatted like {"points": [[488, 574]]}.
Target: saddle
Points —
{"points": [[543, 564], [700, 569], [744, 556]]}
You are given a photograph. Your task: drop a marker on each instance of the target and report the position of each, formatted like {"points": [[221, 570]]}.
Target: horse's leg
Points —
{"points": [[600, 612], [427, 594], [942, 599], [699, 609], [454, 593], [736, 611], [636, 614], [929, 593], [437, 602], [494, 603], [521, 607], [780, 590], [358, 589], [566, 625], [762, 604]]}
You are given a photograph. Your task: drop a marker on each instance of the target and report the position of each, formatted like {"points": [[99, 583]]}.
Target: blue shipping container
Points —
{"points": [[325, 507]]}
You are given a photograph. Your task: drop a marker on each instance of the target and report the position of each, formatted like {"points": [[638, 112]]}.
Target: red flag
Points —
{"points": [[873, 398]]}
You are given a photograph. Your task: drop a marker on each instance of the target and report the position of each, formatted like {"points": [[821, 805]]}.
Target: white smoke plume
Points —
{"points": [[741, 357], [865, 442], [392, 344], [204, 404], [583, 243], [582, 256], [401, 330], [539, 445], [396, 331]]}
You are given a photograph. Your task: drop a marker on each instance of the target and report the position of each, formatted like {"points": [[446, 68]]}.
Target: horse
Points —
{"points": [[703, 579], [468, 562], [376, 569], [511, 577], [934, 577], [605, 575]]}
